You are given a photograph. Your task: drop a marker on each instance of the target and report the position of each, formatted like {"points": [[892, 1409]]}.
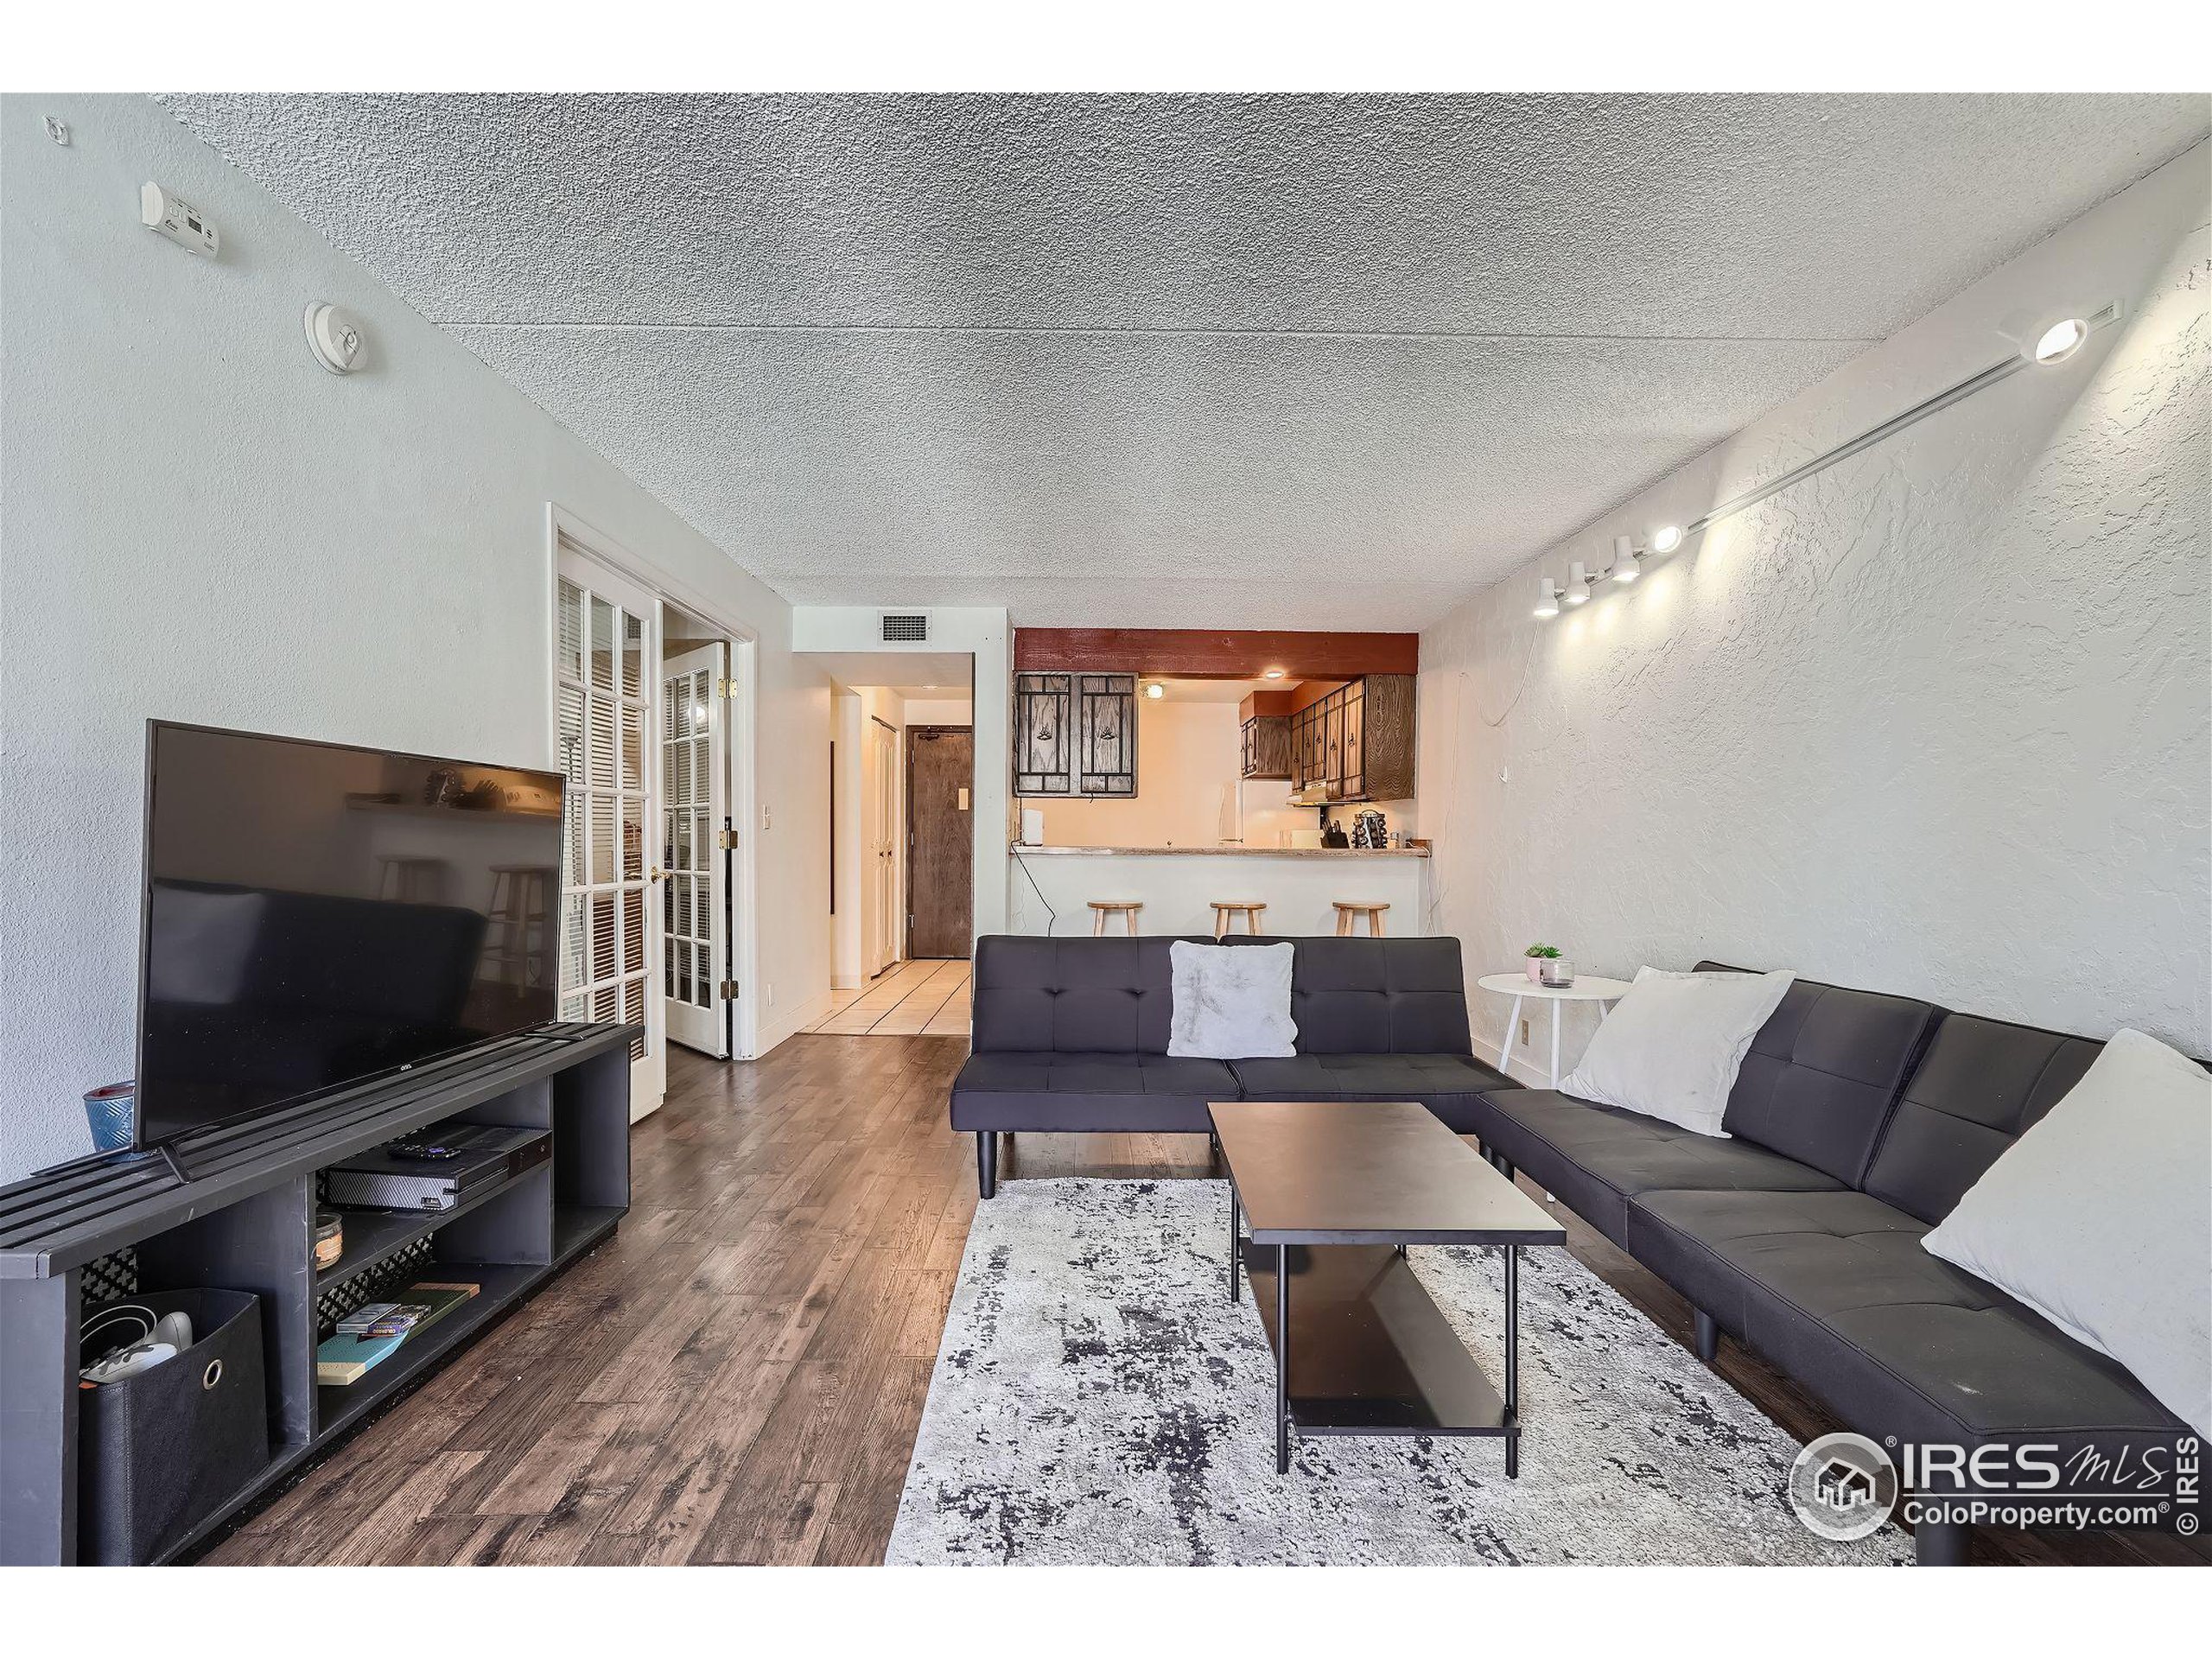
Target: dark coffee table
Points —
{"points": [[1333, 1192]]}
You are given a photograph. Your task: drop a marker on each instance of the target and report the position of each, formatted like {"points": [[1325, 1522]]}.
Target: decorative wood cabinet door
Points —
{"points": [[1044, 734], [1106, 735]]}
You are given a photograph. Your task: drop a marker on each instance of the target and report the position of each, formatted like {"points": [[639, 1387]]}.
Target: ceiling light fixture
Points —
{"points": [[1547, 598], [1156, 691], [1666, 538], [1578, 583], [1271, 674], [1628, 559], [2061, 341]]}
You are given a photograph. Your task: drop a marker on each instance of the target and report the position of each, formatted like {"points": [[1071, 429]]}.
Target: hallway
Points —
{"points": [[917, 998]]}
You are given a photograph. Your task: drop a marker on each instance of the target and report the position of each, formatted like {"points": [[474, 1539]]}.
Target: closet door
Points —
{"points": [[606, 685]]}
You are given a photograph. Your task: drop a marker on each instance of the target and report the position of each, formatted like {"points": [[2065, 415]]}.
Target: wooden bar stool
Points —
{"points": [[1125, 908], [1348, 913], [1225, 914]]}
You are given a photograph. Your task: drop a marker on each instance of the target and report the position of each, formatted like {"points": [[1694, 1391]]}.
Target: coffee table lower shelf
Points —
{"points": [[1371, 1352]]}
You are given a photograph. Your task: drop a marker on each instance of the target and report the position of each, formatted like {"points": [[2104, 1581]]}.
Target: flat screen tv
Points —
{"points": [[315, 915]]}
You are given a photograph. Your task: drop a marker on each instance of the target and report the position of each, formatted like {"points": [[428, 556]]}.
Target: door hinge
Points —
{"points": [[725, 688], [729, 990], [729, 840]]}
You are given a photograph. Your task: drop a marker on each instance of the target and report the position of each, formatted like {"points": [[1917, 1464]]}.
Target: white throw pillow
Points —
{"points": [[2100, 1218], [1231, 1002], [1671, 1047]]}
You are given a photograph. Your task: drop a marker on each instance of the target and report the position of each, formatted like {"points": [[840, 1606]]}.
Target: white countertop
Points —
{"points": [[1226, 851]]}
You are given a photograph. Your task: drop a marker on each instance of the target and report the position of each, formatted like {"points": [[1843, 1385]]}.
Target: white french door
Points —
{"points": [[606, 691], [697, 983]]}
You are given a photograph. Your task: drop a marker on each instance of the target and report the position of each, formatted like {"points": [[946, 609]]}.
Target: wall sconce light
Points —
{"points": [[1156, 691], [1666, 538], [1628, 559], [1547, 598], [2060, 341], [1578, 583]]}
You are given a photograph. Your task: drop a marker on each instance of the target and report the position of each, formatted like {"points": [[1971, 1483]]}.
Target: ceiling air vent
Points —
{"points": [[906, 627]]}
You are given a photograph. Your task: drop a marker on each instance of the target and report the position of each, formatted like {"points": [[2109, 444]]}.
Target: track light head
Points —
{"points": [[1578, 583], [1627, 559], [1547, 598], [2060, 341], [1666, 538]]}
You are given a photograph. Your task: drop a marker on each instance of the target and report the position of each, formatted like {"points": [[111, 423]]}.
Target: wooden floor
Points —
{"points": [[909, 999], [738, 1374]]}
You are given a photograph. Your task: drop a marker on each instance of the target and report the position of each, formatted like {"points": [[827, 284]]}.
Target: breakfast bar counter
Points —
{"points": [[1178, 887]]}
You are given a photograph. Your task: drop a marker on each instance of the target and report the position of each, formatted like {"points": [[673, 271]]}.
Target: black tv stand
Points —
{"points": [[244, 1219]]}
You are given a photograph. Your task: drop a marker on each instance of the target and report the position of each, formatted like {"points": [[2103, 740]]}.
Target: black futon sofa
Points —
{"points": [[1072, 1035], [1857, 1121]]}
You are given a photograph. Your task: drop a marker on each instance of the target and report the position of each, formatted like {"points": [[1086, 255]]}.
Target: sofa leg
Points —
{"points": [[1505, 1168], [1940, 1543], [1709, 1335], [987, 1163]]}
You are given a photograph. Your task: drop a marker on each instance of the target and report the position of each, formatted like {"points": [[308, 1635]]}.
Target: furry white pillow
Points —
{"points": [[1231, 1002], [1671, 1048], [2100, 1218]]}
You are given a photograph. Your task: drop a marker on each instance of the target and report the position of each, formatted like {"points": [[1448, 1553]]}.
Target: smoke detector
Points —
{"points": [[335, 338]]}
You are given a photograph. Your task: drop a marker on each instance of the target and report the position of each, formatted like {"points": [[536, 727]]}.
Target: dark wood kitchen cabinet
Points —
{"points": [[1075, 735], [1355, 740], [1265, 719]]}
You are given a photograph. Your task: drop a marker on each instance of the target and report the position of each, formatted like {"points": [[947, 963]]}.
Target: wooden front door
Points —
{"points": [[940, 840]]}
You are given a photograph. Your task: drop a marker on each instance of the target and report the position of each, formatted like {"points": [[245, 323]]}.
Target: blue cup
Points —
{"points": [[112, 1112]]}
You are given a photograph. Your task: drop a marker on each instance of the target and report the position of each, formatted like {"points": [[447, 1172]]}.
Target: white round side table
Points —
{"points": [[1587, 988]]}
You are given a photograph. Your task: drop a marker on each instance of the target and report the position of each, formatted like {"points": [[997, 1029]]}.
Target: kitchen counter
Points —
{"points": [[1225, 850], [1178, 887]]}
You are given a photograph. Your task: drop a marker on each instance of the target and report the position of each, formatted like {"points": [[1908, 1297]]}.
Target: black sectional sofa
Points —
{"points": [[1072, 1035], [1857, 1123]]}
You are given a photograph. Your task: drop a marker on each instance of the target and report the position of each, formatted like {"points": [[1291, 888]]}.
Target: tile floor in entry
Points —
{"points": [[911, 999]]}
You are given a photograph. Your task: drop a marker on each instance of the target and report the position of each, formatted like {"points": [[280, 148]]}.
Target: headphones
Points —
{"points": [[142, 1341]]}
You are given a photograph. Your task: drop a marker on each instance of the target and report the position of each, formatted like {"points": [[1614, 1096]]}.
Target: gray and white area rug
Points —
{"points": [[1098, 1399]]}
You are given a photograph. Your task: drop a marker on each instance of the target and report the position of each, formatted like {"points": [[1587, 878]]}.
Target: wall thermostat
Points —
{"points": [[177, 219], [335, 338]]}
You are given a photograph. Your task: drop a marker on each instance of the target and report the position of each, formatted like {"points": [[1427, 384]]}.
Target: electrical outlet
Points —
{"points": [[1525, 1033]]}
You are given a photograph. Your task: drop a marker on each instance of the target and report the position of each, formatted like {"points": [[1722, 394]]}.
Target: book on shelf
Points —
{"points": [[373, 1332]]}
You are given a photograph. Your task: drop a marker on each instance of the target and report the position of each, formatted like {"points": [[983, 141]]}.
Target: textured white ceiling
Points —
{"points": [[1227, 361]]}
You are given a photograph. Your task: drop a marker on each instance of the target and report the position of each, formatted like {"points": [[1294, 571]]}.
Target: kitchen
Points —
{"points": [[1184, 770]]}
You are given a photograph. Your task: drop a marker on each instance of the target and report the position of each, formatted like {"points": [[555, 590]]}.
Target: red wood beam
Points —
{"points": [[1207, 654]]}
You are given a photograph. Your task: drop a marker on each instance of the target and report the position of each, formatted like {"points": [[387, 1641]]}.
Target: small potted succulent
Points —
{"points": [[1538, 954]]}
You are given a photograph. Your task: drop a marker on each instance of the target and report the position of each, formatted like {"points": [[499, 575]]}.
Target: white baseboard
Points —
{"points": [[775, 1030]]}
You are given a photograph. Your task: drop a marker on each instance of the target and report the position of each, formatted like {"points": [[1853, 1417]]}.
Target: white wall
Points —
{"points": [[196, 522], [1187, 755], [1935, 722]]}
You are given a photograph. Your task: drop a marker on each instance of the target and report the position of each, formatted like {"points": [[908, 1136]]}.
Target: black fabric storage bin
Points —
{"points": [[159, 1452]]}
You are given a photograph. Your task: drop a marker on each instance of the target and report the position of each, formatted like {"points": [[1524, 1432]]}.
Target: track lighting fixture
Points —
{"points": [[2061, 341]]}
